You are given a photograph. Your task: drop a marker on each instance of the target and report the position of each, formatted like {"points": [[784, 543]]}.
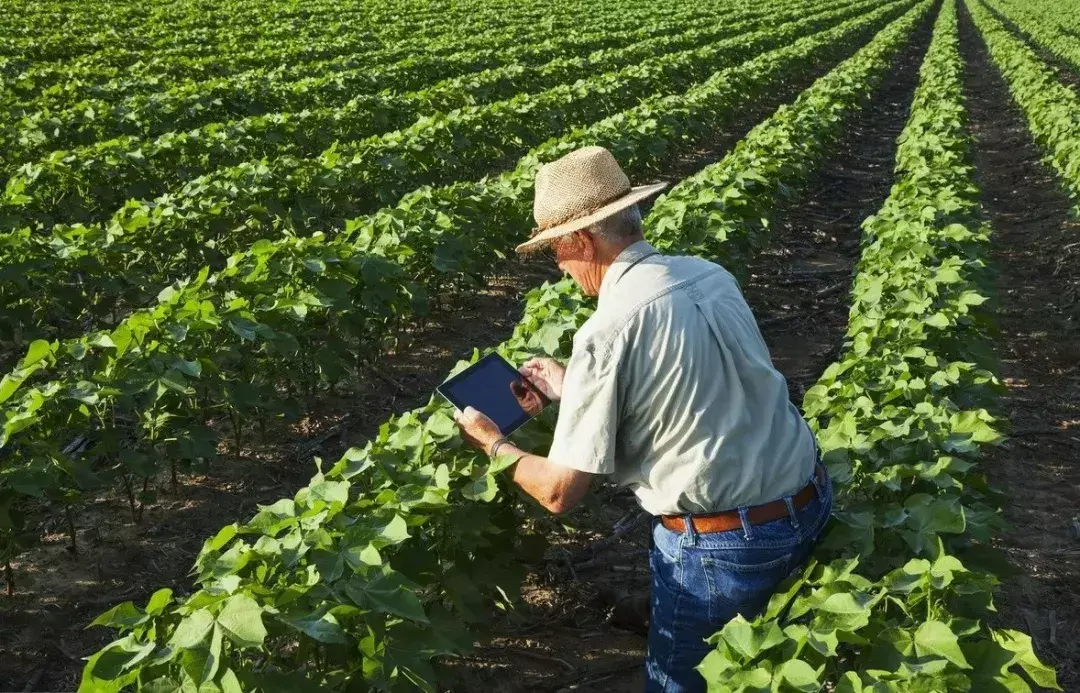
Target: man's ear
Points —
{"points": [[586, 245]]}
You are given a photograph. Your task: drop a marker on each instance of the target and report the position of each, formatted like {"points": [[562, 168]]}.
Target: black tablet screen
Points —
{"points": [[487, 386]]}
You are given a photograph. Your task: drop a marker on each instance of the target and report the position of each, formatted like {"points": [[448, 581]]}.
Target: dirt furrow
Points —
{"points": [[799, 286], [1037, 258]]}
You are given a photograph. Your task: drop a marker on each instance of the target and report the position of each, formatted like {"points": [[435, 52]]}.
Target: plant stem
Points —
{"points": [[9, 574], [131, 497], [71, 530], [236, 433], [142, 503]]}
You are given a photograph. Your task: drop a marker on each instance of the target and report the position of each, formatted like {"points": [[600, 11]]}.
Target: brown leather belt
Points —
{"points": [[755, 514]]}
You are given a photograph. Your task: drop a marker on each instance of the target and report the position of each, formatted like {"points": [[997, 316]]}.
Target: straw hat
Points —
{"points": [[578, 190]]}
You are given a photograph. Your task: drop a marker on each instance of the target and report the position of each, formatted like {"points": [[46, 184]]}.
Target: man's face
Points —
{"points": [[575, 254]]}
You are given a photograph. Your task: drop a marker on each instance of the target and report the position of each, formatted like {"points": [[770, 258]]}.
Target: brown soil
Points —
{"points": [[1037, 257]]}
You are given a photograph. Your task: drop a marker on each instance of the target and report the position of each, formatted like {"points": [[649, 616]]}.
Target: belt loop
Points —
{"points": [[690, 535], [816, 481], [791, 512], [747, 533]]}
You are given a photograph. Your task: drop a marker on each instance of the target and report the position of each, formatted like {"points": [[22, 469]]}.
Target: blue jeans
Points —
{"points": [[700, 581]]}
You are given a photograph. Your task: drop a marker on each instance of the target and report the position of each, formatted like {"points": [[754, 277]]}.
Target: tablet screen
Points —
{"points": [[490, 385]]}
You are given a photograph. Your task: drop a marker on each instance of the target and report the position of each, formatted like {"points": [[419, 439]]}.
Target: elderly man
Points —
{"points": [[671, 391]]}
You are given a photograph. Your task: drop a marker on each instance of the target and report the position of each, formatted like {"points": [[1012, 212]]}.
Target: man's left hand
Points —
{"points": [[478, 429]]}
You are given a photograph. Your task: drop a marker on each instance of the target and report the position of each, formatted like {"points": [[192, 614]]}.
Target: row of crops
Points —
{"points": [[126, 258], [303, 310], [226, 229]]}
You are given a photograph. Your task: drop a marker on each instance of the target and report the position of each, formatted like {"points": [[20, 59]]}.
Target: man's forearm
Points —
{"points": [[556, 488]]}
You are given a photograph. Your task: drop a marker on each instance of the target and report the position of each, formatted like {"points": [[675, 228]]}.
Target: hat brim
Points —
{"points": [[631, 198]]}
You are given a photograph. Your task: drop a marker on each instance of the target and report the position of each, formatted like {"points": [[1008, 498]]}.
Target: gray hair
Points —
{"points": [[625, 223]]}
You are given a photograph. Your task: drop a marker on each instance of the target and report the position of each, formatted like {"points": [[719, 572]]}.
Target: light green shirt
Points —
{"points": [[670, 389]]}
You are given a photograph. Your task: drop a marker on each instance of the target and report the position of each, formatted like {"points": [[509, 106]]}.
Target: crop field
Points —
{"points": [[242, 241]]}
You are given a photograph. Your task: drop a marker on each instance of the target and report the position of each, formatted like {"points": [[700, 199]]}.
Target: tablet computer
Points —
{"points": [[495, 388]]}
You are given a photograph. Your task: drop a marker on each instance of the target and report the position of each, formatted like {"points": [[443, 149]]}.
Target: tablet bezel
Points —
{"points": [[525, 416]]}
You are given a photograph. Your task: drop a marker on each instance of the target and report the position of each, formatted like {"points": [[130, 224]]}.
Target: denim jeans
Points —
{"points": [[700, 581]]}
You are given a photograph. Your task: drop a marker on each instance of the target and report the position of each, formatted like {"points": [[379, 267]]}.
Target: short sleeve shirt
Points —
{"points": [[671, 390]]}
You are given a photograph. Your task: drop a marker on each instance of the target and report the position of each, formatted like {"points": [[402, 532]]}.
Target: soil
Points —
{"points": [[1037, 257]]}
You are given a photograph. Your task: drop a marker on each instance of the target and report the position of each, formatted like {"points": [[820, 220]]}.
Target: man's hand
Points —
{"points": [[476, 428], [528, 397], [547, 375], [557, 488]]}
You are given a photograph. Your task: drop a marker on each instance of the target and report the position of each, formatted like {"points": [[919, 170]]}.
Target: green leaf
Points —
{"points": [[801, 676], [1020, 643], [388, 593], [229, 683], [395, 531], [213, 656], [37, 350], [223, 537], [362, 556], [321, 627], [483, 489], [8, 386], [123, 616], [975, 423], [750, 639], [192, 630], [107, 670], [331, 491], [850, 683], [936, 638], [938, 320], [241, 617], [715, 665]]}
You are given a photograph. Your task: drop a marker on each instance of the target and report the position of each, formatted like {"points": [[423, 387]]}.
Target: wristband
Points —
{"points": [[496, 445]]}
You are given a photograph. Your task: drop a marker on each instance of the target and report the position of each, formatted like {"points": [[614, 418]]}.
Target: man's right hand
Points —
{"points": [[546, 374]]}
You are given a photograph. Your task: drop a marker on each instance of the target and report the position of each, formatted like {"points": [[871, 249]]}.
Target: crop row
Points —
{"points": [[145, 245], [1065, 15], [405, 541], [176, 33], [229, 30], [1051, 108], [247, 342], [126, 90], [86, 183], [897, 597], [1040, 29], [37, 129]]}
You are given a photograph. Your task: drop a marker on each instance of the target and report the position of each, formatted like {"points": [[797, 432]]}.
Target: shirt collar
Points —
{"points": [[623, 261]]}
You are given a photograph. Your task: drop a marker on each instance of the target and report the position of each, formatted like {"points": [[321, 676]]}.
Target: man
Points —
{"points": [[670, 389]]}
